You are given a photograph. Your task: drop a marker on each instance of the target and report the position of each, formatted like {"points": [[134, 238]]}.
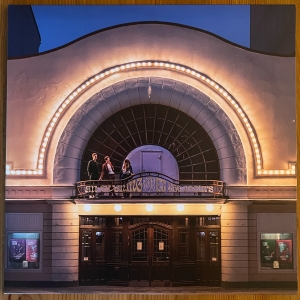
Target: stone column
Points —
{"points": [[234, 244], [65, 239]]}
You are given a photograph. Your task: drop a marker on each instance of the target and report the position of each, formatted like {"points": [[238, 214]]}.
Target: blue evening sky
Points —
{"points": [[61, 24]]}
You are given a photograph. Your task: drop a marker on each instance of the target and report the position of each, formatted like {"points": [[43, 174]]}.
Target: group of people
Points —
{"points": [[107, 172]]}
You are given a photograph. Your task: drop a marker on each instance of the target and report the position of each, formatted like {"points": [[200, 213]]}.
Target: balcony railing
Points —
{"points": [[151, 184]]}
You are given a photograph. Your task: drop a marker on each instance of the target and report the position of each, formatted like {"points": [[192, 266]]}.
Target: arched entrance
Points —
{"points": [[161, 125]]}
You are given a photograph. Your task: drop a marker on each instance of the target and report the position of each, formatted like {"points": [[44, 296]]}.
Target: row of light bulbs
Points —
{"points": [[167, 65], [148, 207]]}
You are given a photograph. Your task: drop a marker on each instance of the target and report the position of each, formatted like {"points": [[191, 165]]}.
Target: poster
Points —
{"points": [[284, 251], [32, 250], [17, 250]]}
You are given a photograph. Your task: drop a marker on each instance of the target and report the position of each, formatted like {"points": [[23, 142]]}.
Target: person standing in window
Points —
{"points": [[126, 172], [108, 173], [93, 173]]}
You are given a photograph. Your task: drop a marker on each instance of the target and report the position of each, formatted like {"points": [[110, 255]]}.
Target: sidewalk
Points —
{"points": [[145, 290]]}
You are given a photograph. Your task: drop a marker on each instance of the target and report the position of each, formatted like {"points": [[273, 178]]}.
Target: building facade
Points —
{"points": [[177, 102]]}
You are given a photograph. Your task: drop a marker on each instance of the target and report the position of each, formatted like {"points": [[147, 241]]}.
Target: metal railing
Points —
{"points": [[150, 184]]}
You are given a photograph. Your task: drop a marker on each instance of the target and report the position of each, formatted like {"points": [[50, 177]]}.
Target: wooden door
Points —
{"points": [[92, 257], [208, 258], [150, 259]]}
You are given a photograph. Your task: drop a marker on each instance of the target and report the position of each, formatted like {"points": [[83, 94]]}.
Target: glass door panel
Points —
{"points": [[86, 244], [214, 246]]}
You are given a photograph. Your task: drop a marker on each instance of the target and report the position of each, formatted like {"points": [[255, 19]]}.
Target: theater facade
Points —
{"points": [[209, 128]]}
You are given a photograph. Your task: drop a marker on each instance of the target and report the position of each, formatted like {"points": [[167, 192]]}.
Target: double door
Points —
{"points": [[150, 255]]}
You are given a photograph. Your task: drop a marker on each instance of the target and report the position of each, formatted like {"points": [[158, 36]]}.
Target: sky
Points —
{"points": [[61, 24]]}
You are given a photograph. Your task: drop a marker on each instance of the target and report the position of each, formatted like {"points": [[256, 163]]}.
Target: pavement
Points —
{"points": [[187, 290]]}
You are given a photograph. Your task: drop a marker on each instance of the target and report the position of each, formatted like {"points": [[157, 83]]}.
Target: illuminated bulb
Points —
{"points": [[29, 172], [41, 160], [57, 115], [149, 63], [217, 87], [23, 172], [202, 77], [102, 75], [75, 94], [177, 67], [106, 73], [64, 105], [156, 63], [7, 172], [118, 207], [293, 171], [293, 167], [45, 139], [40, 172], [138, 64], [83, 86], [180, 207], [149, 207], [258, 166], [18, 172], [78, 90], [193, 72], [7, 167], [13, 172], [265, 172], [172, 66], [161, 64], [92, 80], [97, 77], [281, 171], [40, 166], [87, 207], [239, 110], [182, 69], [43, 149], [259, 172], [288, 172], [167, 65], [71, 97], [35, 172], [47, 133], [133, 65], [112, 71], [198, 75], [143, 63], [209, 207]]}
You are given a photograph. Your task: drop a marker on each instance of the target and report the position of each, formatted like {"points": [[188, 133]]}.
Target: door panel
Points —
{"points": [[151, 161], [208, 265], [150, 256], [92, 257]]}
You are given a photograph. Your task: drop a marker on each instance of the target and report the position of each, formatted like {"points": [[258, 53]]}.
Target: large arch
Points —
{"points": [[160, 125], [164, 91]]}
